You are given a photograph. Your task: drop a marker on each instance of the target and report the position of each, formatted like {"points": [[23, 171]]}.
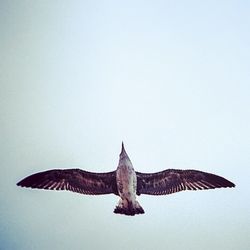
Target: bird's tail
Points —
{"points": [[128, 208]]}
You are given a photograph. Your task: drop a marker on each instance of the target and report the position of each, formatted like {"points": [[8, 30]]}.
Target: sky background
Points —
{"points": [[169, 78]]}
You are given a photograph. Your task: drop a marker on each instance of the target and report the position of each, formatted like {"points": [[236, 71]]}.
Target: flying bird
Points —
{"points": [[125, 182]]}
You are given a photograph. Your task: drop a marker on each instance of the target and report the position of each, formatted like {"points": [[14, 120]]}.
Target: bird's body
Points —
{"points": [[125, 182]]}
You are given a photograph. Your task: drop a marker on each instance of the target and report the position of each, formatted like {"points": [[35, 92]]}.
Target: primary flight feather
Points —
{"points": [[125, 182]]}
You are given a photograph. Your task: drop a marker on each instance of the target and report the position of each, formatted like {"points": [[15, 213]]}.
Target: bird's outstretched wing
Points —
{"points": [[174, 180], [75, 180]]}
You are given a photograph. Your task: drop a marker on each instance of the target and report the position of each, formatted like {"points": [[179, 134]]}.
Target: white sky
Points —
{"points": [[169, 78]]}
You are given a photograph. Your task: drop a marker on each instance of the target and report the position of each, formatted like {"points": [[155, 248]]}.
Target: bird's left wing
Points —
{"points": [[75, 180], [174, 180]]}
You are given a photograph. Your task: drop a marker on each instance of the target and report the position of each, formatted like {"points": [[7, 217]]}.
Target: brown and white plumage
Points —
{"points": [[174, 180], [125, 182], [75, 180]]}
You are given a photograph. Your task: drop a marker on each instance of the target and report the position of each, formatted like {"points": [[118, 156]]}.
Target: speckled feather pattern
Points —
{"points": [[125, 182]]}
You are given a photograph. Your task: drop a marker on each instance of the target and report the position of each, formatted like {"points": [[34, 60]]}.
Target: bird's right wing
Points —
{"points": [[175, 180], [75, 180]]}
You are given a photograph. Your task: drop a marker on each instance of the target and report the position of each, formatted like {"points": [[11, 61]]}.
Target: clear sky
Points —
{"points": [[169, 78]]}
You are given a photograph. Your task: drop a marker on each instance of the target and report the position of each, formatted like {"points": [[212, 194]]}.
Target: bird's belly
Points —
{"points": [[126, 182]]}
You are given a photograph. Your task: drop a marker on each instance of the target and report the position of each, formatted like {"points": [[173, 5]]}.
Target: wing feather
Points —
{"points": [[175, 180], [75, 180]]}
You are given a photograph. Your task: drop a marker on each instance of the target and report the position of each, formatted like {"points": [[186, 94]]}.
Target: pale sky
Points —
{"points": [[169, 78]]}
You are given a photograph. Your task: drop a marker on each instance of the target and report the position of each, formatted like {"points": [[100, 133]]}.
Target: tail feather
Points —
{"points": [[129, 208]]}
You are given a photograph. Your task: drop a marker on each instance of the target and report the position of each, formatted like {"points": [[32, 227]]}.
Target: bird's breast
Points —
{"points": [[126, 181]]}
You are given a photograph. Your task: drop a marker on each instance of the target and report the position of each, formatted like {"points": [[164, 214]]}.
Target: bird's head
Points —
{"points": [[123, 154], [124, 159], [123, 151]]}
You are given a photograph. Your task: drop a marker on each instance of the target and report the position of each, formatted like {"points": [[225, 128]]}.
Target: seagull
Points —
{"points": [[125, 182]]}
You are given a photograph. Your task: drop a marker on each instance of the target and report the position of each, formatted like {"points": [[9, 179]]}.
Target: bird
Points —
{"points": [[125, 182]]}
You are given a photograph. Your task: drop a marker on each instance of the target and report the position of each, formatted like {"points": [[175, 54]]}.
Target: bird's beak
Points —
{"points": [[123, 149]]}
